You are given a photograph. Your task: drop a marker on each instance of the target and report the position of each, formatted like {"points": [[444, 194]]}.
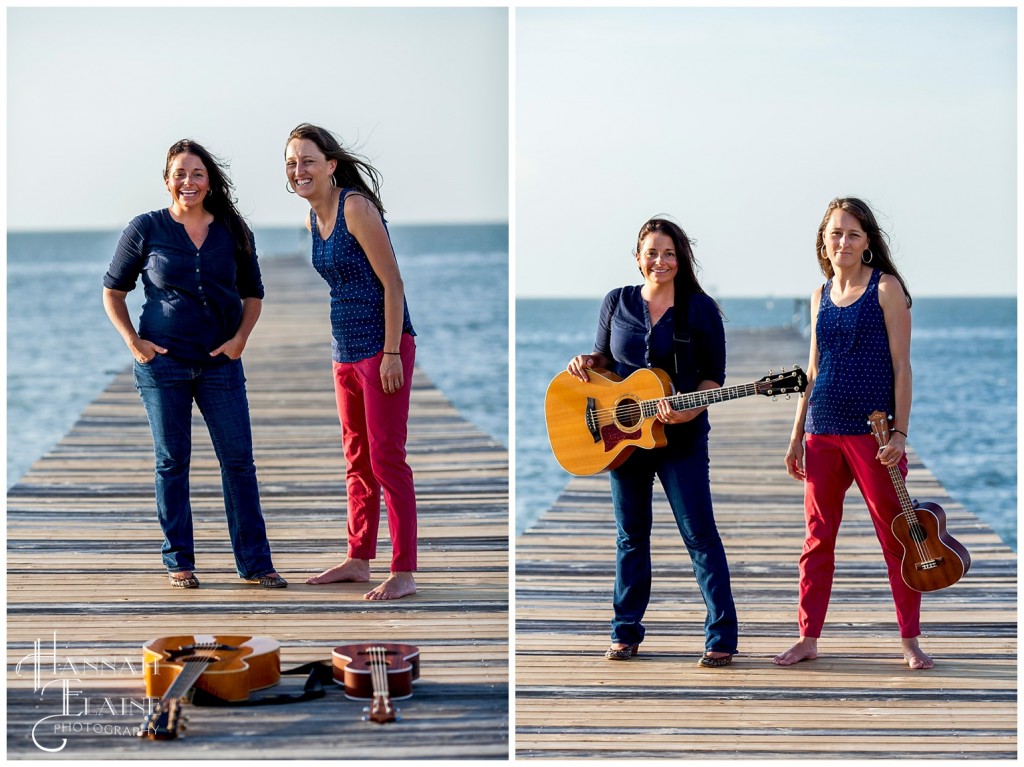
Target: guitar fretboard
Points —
{"points": [[691, 400]]}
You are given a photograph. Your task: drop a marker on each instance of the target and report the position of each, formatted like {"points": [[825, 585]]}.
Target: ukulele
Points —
{"points": [[229, 667], [594, 426], [380, 672], [932, 559]]}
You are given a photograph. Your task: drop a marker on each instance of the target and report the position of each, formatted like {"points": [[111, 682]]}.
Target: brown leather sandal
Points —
{"points": [[709, 662], [270, 582], [622, 653], [184, 583]]}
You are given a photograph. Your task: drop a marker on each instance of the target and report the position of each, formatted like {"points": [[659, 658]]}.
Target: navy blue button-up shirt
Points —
{"points": [[625, 336], [193, 295]]}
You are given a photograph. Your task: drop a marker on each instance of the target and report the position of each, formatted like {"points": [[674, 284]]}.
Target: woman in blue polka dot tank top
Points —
{"points": [[859, 363], [373, 351]]}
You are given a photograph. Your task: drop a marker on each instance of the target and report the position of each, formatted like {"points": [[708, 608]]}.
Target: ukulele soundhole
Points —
{"points": [[627, 413], [917, 532]]}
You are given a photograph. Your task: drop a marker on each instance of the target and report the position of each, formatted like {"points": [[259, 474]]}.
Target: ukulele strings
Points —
{"points": [[921, 546], [378, 671], [923, 552]]}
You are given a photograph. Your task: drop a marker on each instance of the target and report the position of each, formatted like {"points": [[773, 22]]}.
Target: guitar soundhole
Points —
{"points": [[917, 532], [627, 413]]}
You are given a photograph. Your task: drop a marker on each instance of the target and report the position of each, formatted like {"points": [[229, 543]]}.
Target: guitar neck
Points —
{"points": [[691, 400]]}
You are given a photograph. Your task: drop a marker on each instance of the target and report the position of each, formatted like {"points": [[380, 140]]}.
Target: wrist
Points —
{"points": [[898, 431]]}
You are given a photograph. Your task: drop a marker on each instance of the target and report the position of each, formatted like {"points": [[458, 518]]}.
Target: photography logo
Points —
{"points": [[60, 683]]}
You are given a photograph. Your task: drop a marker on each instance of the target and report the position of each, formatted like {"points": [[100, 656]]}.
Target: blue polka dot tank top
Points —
{"points": [[357, 294], [854, 365]]}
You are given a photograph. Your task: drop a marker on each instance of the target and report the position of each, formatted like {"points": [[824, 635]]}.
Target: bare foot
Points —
{"points": [[397, 586], [916, 657], [351, 570], [805, 649]]}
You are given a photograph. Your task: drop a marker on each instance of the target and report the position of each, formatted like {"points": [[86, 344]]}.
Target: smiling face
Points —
{"points": [[188, 181], [307, 167], [845, 239], [657, 259]]}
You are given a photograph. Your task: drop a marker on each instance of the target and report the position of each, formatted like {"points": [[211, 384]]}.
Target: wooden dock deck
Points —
{"points": [[857, 700], [86, 589]]}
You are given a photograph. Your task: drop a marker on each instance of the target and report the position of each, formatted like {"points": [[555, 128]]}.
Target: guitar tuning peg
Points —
{"points": [[774, 398], [787, 396]]}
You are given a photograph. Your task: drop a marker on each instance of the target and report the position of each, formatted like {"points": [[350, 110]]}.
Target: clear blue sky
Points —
{"points": [[743, 123], [97, 95]]}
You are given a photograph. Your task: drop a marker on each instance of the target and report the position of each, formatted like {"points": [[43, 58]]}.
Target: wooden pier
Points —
{"points": [[86, 588], [857, 700]]}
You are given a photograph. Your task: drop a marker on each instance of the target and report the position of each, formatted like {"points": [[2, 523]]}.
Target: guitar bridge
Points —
{"points": [[591, 418], [929, 564]]}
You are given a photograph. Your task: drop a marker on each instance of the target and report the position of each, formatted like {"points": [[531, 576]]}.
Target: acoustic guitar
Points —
{"points": [[932, 558], [379, 672], [594, 426], [227, 666]]}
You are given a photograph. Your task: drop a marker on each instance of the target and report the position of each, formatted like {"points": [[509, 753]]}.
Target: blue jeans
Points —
{"points": [[168, 387], [685, 477]]}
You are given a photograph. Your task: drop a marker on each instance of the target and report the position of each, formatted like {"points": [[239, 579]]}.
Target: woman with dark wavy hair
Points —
{"points": [[197, 261], [637, 330], [373, 351], [859, 363]]}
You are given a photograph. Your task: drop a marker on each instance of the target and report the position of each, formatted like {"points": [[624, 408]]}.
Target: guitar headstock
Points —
{"points": [[787, 382], [164, 722], [879, 423]]}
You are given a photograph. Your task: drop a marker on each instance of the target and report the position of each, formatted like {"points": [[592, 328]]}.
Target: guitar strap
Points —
{"points": [[319, 673], [682, 348]]}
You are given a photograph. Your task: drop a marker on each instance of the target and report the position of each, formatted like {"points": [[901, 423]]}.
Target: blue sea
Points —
{"points": [[62, 350], [964, 418]]}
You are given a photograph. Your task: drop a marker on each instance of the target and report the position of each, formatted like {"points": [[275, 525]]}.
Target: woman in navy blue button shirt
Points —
{"points": [[198, 266], [636, 331]]}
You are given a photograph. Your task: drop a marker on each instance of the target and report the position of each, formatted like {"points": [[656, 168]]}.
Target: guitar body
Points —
{"points": [[353, 669], [932, 558], [234, 667], [583, 447]]}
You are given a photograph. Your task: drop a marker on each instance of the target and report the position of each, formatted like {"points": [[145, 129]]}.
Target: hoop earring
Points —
{"points": [[870, 256], [288, 187]]}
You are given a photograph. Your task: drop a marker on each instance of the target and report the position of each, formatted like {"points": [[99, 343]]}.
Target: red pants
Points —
{"points": [[374, 427], [832, 463]]}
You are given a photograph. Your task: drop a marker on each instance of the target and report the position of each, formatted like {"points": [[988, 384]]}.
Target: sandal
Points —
{"points": [[191, 582], [622, 653], [709, 662], [270, 582]]}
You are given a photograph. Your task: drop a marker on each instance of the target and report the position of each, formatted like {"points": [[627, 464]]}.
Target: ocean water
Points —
{"points": [[62, 350], [963, 421]]}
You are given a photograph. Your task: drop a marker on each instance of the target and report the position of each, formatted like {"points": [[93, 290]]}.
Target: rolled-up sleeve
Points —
{"points": [[249, 280], [127, 262]]}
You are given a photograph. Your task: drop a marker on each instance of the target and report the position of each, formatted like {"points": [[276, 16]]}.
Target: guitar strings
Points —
{"points": [[642, 409]]}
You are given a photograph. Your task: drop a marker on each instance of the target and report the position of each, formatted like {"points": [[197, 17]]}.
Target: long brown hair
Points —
{"points": [[686, 269], [878, 240], [221, 203], [352, 170]]}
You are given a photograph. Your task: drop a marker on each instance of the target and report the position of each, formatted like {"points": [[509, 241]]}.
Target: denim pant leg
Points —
{"points": [[632, 489], [685, 477], [165, 386], [220, 394]]}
